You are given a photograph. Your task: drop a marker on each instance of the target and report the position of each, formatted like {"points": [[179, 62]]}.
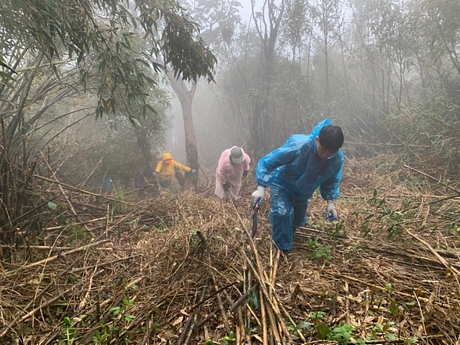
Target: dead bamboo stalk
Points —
{"points": [[59, 185], [434, 179], [188, 331], [221, 306], [75, 189], [47, 247], [264, 321], [54, 257], [274, 271], [242, 298], [434, 252], [241, 329], [299, 332], [90, 285], [262, 277], [444, 305], [422, 316], [101, 265], [148, 332], [33, 311], [247, 313], [347, 297], [92, 172], [271, 302], [239, 323], [422, 339], [107, 221], [78, 223]]}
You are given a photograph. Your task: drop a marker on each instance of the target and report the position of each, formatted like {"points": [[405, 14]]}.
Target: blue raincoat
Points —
{"points": [[293, 172]]}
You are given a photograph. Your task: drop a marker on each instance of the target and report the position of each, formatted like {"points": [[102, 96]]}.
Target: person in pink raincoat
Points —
{"points": [[233, 166]]}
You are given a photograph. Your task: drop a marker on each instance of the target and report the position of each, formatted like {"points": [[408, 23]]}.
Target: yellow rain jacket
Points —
{"points": [[166, 171]]}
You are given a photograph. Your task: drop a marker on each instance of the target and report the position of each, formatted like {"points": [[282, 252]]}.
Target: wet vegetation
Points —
{"points": [[92, 252]]}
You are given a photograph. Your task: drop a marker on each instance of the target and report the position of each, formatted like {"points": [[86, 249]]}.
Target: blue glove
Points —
{"points": [[155, 174], [331, 212], [193, 171]]}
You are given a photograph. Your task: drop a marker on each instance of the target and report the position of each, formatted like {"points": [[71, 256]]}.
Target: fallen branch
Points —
{"points": [[54, 257], [33, 311], [434, 252]]}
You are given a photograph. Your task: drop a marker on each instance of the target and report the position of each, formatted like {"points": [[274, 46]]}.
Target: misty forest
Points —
{"points": [[94, 249]]}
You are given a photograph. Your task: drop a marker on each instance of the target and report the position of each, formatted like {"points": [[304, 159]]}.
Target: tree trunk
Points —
{"points": [[143, 174], [267, 30], [191, 149], [145, 147], [326, 69]]}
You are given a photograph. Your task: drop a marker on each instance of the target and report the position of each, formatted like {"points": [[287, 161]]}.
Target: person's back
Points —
{"points": [[168, 167], [232, 166]]}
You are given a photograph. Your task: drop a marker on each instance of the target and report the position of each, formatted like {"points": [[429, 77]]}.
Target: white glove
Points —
{"points": [[258, 194], [331, 212]]}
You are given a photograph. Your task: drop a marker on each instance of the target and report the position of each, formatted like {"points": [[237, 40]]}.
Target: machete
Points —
{"points": [[255, 207]]}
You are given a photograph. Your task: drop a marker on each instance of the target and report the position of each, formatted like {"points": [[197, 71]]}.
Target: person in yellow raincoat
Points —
{"points": [[168, 167]]}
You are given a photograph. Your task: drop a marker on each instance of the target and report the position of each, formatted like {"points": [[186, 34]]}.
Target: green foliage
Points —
{"points": [[6, 77], [382, 330], [428, 133], [341, 334], [338, 228], [228, 339], [335, 227], [120, 318], [319, 251], [120, 204], [254, 299], [315, 315], [101, 337], [77, 235], [393, 308], [103, 31], [302, 325], [69, 332], [61, 51], [162, 227], [383, 216], [323, 330]]}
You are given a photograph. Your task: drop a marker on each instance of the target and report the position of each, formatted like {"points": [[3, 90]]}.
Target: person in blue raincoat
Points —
{"points": [[294, 171]]}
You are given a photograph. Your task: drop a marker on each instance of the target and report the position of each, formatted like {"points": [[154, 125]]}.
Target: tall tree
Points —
{"points": [[327, 14], [267, 21], [297, 28], [90, 40], [217, 19]]}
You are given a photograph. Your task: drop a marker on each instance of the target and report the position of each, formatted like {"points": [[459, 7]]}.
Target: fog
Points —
{"points": [[99, 244], [386, 72], [370, 68]]}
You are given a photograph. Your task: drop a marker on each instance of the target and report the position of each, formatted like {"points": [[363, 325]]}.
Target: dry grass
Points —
{"points": [[184, 270]]}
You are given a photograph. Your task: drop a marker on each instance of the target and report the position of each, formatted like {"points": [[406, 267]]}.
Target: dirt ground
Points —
{"points": [[184, 268]]}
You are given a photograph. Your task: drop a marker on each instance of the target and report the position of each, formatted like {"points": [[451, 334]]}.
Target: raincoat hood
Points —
{"points": [[166, 156], [236, 155], [297, 168]]}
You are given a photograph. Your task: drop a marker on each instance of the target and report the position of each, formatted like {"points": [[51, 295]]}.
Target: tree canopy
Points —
{"points": [[100, 32]]}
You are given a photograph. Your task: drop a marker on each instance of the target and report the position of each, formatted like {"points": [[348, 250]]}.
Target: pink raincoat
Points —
{"points": [[232, 173]]}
